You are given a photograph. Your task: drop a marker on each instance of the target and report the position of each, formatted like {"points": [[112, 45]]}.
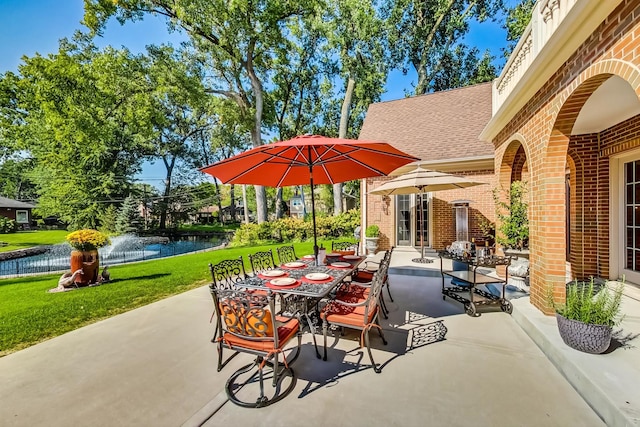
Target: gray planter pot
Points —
{"points": [[594, 339]]}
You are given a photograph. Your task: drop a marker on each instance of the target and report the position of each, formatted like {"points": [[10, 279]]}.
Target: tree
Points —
{"points": [[180, 111], [356, 36], [518, 18], [237, 39], [128, 219], [14, 179], [423, 33], [81, 114]]}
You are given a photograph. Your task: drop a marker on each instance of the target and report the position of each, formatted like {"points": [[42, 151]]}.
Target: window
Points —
{"points": [[22, 217]]}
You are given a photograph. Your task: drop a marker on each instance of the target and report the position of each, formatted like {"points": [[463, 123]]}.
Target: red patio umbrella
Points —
{"points": [[310, 159]]}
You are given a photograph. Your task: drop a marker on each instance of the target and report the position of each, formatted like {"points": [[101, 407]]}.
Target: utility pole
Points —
{"points": [[244, 202]]}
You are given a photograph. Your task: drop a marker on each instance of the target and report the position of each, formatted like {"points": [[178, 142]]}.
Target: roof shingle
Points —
{"points": [[436, 126]]}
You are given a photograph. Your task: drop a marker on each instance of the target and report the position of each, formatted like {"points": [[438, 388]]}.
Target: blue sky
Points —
{"points": [[28, 27]]}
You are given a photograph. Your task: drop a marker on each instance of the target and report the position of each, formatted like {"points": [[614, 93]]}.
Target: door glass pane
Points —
{"points": [[403, 220], [632, 215], [422, 221]]}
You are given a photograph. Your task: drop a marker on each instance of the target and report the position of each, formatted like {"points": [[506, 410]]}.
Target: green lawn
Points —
{"points": [[29, 314], [28, 239]]}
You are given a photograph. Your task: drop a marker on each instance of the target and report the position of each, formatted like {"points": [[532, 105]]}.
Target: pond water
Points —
{"points": [[123, 249]]}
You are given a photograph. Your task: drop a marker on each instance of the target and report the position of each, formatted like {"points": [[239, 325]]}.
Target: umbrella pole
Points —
{"points": [[313, 209], [421, 224]]}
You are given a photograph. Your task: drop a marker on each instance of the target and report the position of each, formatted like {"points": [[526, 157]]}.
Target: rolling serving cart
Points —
{"points": [[465, 280]]}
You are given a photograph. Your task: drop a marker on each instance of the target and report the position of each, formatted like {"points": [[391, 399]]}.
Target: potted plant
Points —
{"points": [[512, 232], [586, 319], [84, 257], [371, 235]]}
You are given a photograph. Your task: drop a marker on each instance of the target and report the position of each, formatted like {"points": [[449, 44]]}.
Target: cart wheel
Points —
{"points": [[444, 297], [470, 309], [507, 307]]}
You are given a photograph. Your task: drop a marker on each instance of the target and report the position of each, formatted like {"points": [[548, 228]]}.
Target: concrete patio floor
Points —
{"points": [[155, 366]]}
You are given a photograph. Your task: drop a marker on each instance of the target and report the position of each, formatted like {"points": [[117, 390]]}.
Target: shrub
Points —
{"points": [[513, 231], [372, 231], [7, 225], [294, 229]]}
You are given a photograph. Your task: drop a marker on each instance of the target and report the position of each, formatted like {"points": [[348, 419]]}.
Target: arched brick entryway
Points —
{"points": [[583, 157]]}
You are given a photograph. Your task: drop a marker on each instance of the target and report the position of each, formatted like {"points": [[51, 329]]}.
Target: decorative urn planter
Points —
{"points": [[89, 263], [84, 257], [371, 244], [589, 338]]}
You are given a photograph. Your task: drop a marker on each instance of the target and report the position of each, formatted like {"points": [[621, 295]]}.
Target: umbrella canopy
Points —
{"points": [[423, 181], [310, 159], [331, 160]]}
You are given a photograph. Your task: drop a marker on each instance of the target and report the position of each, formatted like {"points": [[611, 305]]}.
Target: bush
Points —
{"points": [[297, 230], [512, 217], [372, 231], [7, 225]]}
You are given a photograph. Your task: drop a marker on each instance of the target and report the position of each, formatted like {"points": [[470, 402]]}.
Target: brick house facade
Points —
{"points": [[442, 130], [566, 113]]}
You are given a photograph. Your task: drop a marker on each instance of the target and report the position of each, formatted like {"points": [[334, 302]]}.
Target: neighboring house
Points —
{"points": [[18, 211], [442, 129], [566, 114]]}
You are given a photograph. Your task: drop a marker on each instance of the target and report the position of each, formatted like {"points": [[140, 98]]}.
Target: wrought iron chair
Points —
{"points": [[262, 261], [247, 323], [345, 248], [227, 273], [361, 315], [365, 272], [286, 254]]}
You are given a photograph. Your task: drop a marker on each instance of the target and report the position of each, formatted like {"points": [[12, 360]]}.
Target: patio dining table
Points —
{"points": [[305, 294], [315, 289]]}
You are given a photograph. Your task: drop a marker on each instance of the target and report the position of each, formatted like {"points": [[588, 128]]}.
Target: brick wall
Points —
{"points": [[543, 127], [383, 214]]}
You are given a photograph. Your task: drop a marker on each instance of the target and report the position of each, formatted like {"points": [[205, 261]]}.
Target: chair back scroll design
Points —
{"points": [[228, 273], [286, 254], [262, 261]]}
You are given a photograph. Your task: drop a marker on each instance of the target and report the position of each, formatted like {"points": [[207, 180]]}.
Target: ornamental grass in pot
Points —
{"points": [[586, 319]]}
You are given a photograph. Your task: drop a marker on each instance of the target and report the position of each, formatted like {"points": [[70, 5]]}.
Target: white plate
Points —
{"points": [[309, 257], [350, 257], [334, 254], [284, 281], [317, 276], [272, 273], [294, 264], [340, 264]]}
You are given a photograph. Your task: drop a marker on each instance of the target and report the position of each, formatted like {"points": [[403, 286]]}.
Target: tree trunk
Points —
{"points": [[342, 133], [246, 205], [256, 132], [167, 191], [279, 210], [232, 205], [220, 215]]}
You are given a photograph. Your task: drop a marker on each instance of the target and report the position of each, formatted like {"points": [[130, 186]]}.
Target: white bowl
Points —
{"points": [[350, 257]]}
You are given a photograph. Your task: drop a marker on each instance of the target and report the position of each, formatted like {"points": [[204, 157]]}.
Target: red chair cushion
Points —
{"points": [[285, 333], [344, 315]]}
